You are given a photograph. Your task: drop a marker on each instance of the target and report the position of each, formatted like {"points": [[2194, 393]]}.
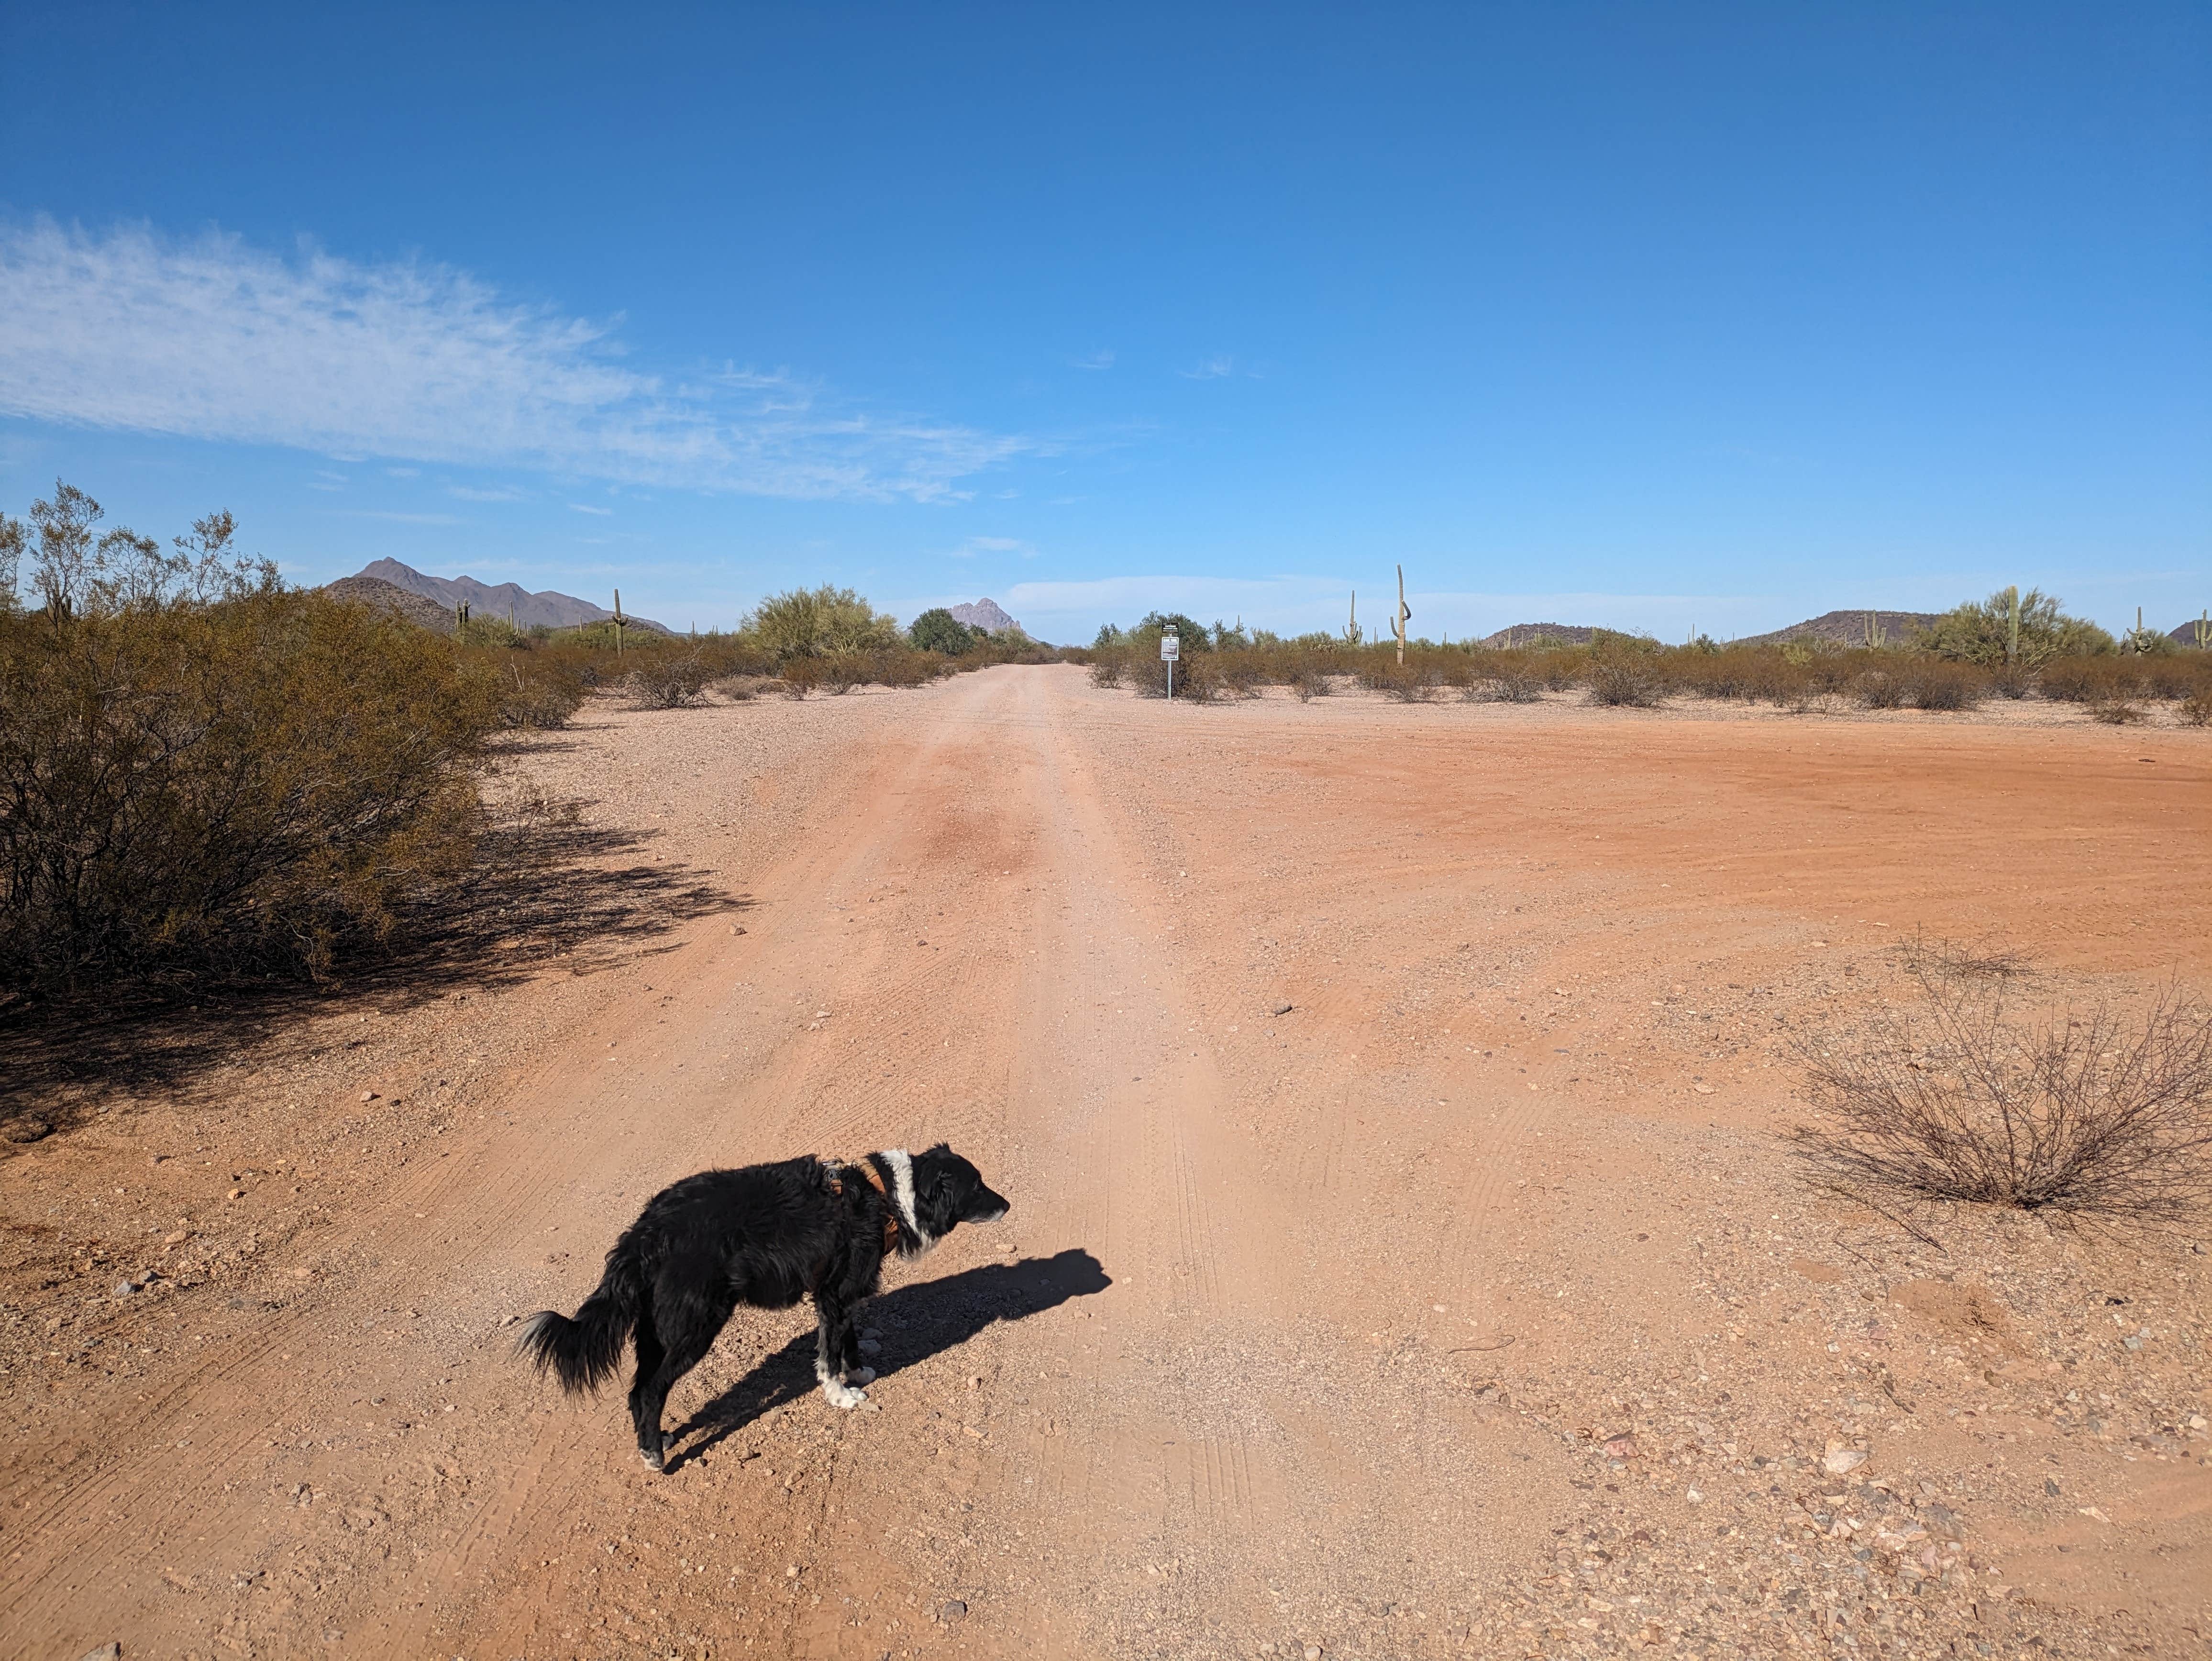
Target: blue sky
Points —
{"points": [[1651, 315]]}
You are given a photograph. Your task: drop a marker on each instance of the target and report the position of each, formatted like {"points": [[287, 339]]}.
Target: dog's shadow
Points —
{"points": [[917, 1322]]}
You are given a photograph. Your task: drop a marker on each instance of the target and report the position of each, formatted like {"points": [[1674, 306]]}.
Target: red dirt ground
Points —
{"points": [[1404, 1257]]}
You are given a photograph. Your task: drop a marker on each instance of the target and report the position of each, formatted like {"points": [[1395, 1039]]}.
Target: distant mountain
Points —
{"points": [[984, 614], [2187, 633], [1570, 634], [554, 611], [1847, 627], [375, 591]]}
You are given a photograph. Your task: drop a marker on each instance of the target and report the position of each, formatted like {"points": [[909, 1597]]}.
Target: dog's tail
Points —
{"points": [[585, 1352]]}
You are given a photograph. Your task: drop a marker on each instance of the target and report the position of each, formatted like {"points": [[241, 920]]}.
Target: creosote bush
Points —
{"points": [[203, 773], [1797, 676], [1622, 679], [2097, 1114], [671, 678]]}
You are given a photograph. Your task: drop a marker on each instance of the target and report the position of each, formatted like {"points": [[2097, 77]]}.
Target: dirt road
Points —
{"points": [[1403, 1262]]}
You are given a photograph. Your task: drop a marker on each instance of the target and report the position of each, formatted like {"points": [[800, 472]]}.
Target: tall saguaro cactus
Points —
{"points": [[2012, 625], [1398, 627]]}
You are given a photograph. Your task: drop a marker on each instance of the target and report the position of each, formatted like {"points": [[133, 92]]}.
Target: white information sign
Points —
{"points": [[1170, 648]]}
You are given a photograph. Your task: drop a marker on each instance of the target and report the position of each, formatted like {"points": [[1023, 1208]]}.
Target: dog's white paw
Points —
{"points": [[870, 1347], [839, 1394], [860, 1376]]}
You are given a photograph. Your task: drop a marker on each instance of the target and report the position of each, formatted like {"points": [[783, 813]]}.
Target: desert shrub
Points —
{"points": [[1108, 667], [2092, 1114], [1510, 684], [1309, 681], [673, 678], [1381, 671], [1206, 679], [2116, 712], [729, 655], [2175, 674], [839, 672], [1455, 670], [1559, 668], [2088, 680], [1883, 689], [1622, 679], [259, 782], [1937, 685], [535, 695], [904, 665], [938, 630], [2197, 708]]}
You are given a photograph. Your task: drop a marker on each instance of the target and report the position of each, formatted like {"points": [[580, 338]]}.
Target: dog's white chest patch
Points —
{"points": [[901, 1164]]}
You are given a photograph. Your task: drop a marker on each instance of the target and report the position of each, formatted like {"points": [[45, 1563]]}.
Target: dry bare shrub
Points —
{"points": [[1938, 683], [1507, 685], [2197, 708], [2116, 712], [1937, 961], [669, 679], [842, 671], [2089, 680], [1409, 683], [1108, 667], [2099, 1115], [1621, 680]]}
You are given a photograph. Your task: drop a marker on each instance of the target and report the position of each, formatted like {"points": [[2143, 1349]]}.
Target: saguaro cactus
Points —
{"points": [[1398, 627]]}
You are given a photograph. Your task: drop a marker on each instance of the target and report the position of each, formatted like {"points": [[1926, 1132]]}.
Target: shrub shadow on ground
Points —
{"points": [[917, 1322], [545, 889]]}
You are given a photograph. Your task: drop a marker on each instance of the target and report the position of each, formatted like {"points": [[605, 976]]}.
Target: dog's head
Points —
{"points": [[949, 1191]]}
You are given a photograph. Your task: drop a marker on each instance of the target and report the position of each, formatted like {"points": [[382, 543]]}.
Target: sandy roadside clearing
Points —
{"points": [[1403, 1259]]}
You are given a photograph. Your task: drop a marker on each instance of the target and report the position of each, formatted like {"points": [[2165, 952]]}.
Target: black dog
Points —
{"points": [[767, 1235]]}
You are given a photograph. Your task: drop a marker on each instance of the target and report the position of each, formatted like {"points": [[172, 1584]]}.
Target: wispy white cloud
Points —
{"points": [[1095, 360], [212, 339], [975, 545], [407, 519], [1211, 368], [469, 493], [587, 507], [404, 472]]}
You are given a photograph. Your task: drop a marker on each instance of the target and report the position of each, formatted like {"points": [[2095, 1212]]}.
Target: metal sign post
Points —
{"points": [[1170, 648]]}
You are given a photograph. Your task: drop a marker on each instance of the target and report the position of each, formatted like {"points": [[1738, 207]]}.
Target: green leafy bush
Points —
{"points": [[811, 623], [1980, 632], [938, 630]]}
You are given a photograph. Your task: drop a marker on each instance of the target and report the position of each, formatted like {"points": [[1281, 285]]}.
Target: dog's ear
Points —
{"points": [[929, 1169]]}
